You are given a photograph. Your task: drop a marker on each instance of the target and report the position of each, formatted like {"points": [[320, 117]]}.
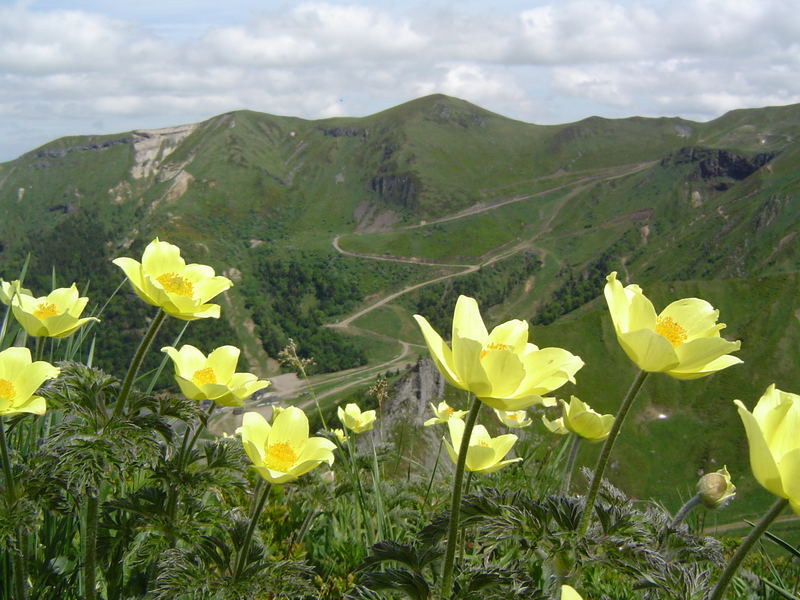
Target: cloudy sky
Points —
{"points": [[95, 66]]}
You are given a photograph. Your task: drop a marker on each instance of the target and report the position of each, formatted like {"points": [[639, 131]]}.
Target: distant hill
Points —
{"points": [[528, 218]]}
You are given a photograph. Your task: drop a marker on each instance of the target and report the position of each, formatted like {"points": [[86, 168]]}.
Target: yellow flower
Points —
{"points": [[282, 452], [580, 419], [555, 426], [9, 289], [773, 433], [682, 341], [355, 420], [55, 315], [569, 593], [213, 378], [501, 368], [716, 489], [485, 454], [340, 435], [19, 380], [164, 279], [513, 418], [443, 413]]}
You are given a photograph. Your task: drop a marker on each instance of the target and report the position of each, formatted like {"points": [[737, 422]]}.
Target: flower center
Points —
{"points": [[492, 346], [175, 284], [7, 391], [668, 328], [204, 376], [45, 310], [280, 457], [448, 411], [484, 443], [513, 416]]}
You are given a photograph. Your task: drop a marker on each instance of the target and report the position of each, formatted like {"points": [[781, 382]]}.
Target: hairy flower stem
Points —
{"points": [[570, 466], [11, 498], [605, 453], [455, 503], [259, 499], [731, 568], [137, 362], [90, 557], [354, 475], [681, 514]]}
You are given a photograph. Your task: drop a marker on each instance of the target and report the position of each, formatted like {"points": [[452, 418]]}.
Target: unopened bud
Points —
{"points": [[715, 489]]}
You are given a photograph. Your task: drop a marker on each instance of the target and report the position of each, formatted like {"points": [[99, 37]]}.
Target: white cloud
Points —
{"points": [[72, 69]]}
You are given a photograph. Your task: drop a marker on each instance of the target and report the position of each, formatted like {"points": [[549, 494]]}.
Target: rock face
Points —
{"points": [[713, 164], [407, 408], [399, 189]]}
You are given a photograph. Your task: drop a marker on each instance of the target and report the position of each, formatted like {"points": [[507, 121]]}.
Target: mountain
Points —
{"points": [[360, 222]]}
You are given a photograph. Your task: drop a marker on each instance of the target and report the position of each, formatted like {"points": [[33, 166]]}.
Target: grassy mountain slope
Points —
{"points": [[680, 207]]}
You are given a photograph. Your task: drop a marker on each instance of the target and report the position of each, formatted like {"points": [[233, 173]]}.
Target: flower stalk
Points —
{"points": [[605, 453], [133, 369], [570, 466], [455, 503], [11, 498], [90, 556], [259, 499], [731, 568]]}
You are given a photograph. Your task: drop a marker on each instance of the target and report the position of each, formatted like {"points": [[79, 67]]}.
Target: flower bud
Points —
{"points": [[715, 489]]}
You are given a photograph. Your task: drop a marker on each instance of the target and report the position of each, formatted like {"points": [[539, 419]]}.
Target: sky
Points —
{"points": [[84, 67]]}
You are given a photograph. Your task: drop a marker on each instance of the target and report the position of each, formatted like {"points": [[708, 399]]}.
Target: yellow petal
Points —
{"points": [[650, 351], [255, 432], [569, 593], [513, 334], [290, 426], [223, 360], [467, 321], [697, 317], [789, 467], [696, 355], [440, 353], [504, 371], [162, 257], [762, 463]]}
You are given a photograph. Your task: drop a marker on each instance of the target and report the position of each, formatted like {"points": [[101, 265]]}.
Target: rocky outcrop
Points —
{"points": [[46, 153], [398, 189], [344, 132], [408, 407], [152, 146], [717, 164]]}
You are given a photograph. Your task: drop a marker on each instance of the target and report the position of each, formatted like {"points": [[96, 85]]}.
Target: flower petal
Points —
{"points": [[162, 257], [762, 463], [255, 432], [512, 333], [649, 350], [441, 354], [223, 361], [697, 317], [696, 355], [290, 426]]}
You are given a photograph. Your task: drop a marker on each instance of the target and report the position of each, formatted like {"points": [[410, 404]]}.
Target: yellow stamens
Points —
{"points": [[45, 310], [668, 328], [449, 410], [204, 376], [7, 391], [484, 443], [492, 346], [175, 284], [280, 457]]}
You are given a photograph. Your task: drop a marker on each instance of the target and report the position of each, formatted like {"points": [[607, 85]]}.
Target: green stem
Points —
{"points": [[11, 498], [259, 501], [380, 516], [684, 510], [90, 558], [570, 466], [752, 537], [354, 475], [605, 453], [455, 503], [38, 351], [433, 474], [137, 361]]}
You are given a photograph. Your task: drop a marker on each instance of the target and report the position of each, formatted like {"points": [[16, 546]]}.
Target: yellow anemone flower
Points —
{"points": [[485, 453], [773, 434], [164, 279], [580, 419], [513, 418], [355, 420], [569, 593], [282, 452], [56, 315], [682, 341], [340, 435], [443, 412], [9, 289], [555, 426], [501, 368], [213, 377], [19, 380]]}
